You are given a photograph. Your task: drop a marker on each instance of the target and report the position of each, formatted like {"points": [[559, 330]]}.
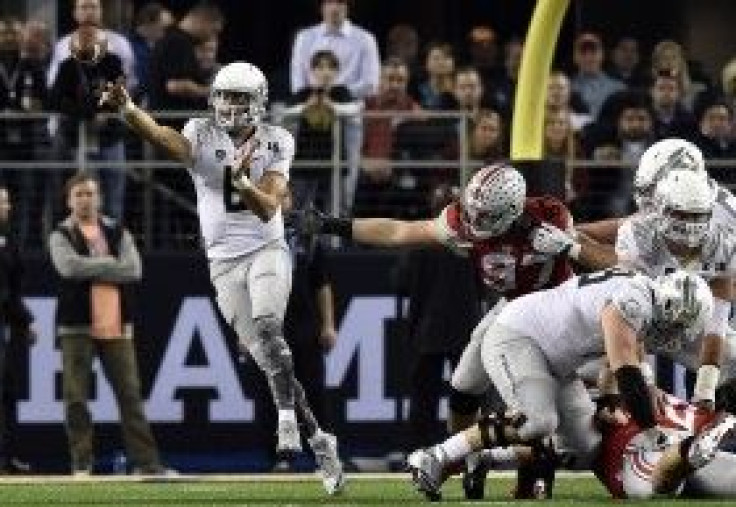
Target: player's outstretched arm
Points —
{"points": [[382, 232], [165, 138], [603, 231]]}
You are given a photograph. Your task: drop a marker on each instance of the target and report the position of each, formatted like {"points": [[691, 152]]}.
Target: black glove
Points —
{"points": [[311, 221]]}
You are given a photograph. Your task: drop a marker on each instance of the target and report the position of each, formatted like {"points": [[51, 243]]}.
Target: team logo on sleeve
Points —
{"points": [[220, 155], [631, 310]]}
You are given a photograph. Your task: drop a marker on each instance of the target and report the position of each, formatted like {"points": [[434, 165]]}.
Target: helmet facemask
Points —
{"points": [[484, 224], [236, 109], [687, 228], [644, 198]]}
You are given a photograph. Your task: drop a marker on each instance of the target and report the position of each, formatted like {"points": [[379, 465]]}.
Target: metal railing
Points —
{"points": [[160, 207]]}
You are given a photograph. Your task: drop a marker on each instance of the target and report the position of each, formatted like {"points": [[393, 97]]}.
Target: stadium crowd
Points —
{"points": [[608, 102]]}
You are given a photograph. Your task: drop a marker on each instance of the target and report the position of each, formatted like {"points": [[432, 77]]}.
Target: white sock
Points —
{"points": [[500, 456], [455, 448], [287, 415]]}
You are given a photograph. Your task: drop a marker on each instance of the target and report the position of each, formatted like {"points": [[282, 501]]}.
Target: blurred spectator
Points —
{"points": [[468, 90], [22, 90], [487, 141], [444, 306], [482, 47], [393, 95], [98, 264], [359, 70], [728, 83], [561, 143], [625, 63], [671, 119], [559, 136], [609, 189], [561, 97], [174, 75], [318, 105], [151, 22], [402, 41], [88, 14], [355, 48], [75, 93], [206, 53], [669, 56], [439, 66], [36, 42], [716, 138], [590, 81], [503, 87], [18, 320], [634, 130]]}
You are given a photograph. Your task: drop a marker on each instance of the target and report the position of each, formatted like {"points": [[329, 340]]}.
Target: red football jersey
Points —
{"points": [[674, 413], [508, 264]]}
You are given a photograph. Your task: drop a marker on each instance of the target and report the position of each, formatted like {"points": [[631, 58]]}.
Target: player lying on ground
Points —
{"points": [[533, 349], [516, 244], [689, 461], [240, 167]]}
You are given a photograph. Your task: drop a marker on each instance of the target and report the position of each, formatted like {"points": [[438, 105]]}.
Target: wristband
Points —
{"points": [[342, 227], [635, 395], [706, 382], [647, 373], [574, 251]]}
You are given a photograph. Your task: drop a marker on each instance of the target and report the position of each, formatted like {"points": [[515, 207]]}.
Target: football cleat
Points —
{"points": [[426, 473], [330, 469], [474, 477]]}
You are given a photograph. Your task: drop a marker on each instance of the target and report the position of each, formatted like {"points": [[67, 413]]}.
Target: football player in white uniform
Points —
{"points": [[681, 234], [532, 351], [671, 154], [240, 167]]}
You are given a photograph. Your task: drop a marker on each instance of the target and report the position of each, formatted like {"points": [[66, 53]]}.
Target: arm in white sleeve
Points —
{"points": [[370, 69], [299, 60]]}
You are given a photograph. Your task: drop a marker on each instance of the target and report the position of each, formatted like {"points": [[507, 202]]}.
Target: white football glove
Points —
{"points": [[552, 240], [706, 443]]}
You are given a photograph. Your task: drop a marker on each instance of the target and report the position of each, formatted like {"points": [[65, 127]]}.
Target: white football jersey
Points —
{"points": [[565, 321], [229, 228], [640, 245], [724, 211]]}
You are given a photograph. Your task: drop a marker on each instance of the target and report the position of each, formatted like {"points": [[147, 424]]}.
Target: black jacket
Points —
{"points": [[13, 311], [73, 308], [76, 94]]}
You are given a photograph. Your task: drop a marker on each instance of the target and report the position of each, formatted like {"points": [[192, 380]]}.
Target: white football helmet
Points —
{"points": [[682, 299], [659, 159], [239, 95], [686, 201], [493, 198]]}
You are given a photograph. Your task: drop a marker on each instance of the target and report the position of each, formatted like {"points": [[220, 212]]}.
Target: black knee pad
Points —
{"points": [[492, 428], [463, 403]]}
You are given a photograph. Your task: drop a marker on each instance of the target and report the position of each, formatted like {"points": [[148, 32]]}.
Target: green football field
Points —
{"points": [[279, 490]]}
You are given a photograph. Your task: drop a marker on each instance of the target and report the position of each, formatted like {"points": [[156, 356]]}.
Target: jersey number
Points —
{"points": [[602, 276], [233, 201], [499, 270]]}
